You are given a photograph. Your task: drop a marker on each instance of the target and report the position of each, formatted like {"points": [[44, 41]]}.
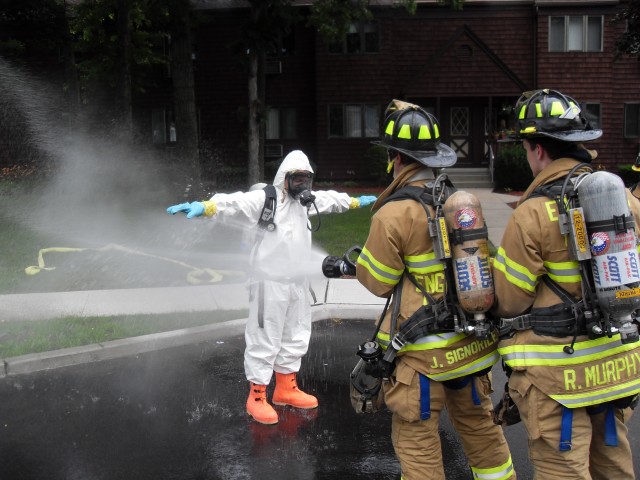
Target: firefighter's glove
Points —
{"points": [[363, 201], [506, 412], [193, 209]]}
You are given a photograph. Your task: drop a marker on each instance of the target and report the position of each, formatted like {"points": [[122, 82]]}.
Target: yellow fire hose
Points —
{"points": [[195, 276]]}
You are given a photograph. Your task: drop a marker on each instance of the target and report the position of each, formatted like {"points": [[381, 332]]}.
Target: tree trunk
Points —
{"points": [[253, 140], [184, 96], [124, 42]]}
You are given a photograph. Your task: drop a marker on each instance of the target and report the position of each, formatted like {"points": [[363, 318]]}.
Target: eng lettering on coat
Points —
{"points": [[433, 283], [604, 373], [475, 347]]}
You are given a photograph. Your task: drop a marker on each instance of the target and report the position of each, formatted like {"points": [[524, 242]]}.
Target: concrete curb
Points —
{"points": [[136, 345]]}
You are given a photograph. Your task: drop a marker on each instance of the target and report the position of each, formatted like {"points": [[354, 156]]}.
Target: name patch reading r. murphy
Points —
{"points": [[607, 372]]}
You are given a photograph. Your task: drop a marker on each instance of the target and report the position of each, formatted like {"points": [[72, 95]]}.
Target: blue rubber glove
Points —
{"points": [[193, 209], [366, 200]]}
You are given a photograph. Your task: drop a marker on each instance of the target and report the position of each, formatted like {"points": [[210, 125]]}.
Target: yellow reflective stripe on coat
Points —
{"points": [[501, 472], [470, 368], [429, 342], [378, 270], [442, 341], [427, 263], [615, 392], [554, 355], [563, 272], [514, 272]]}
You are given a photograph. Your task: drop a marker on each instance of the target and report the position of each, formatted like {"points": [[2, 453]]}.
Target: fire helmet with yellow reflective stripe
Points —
{"points": [[549, 113], [416, 133]]}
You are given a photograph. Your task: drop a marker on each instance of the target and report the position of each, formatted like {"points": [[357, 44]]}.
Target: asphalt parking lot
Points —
{"points": [[179, 413]]}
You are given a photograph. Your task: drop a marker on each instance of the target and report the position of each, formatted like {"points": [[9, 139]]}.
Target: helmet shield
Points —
{"points": [[549, 113], [416, 133]]}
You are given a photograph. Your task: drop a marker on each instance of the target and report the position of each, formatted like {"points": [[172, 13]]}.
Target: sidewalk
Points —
{"points": [[336, 298]]}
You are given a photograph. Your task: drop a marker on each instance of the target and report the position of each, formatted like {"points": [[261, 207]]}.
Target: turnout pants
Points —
{"points": [[415, 434], [589, 458]]}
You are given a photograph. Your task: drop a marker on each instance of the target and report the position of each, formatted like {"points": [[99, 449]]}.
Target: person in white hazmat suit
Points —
{"points": [[278, 329]]}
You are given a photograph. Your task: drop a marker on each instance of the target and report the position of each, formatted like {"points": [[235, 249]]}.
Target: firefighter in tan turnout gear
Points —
{"points": [[440, 367], [572, 356]]}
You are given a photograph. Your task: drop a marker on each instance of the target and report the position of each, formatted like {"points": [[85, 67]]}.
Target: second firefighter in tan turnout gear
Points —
{"points": [[572, 400], [441, 368]]}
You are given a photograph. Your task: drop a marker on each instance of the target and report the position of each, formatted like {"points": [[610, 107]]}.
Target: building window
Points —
{"points": [[281, 123], [354, 121], [163, 126], [362, 37], [581, 33], [632, 120], [592, 114]]}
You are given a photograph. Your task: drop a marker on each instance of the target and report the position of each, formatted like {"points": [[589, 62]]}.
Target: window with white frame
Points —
{"points": [[281, 123], [362, 37], [632, 120], [354, 120], [576, 33]]}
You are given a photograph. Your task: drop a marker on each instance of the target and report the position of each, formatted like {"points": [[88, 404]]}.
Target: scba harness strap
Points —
{"points": [[436, 316], [268, 214], [562, 319]]}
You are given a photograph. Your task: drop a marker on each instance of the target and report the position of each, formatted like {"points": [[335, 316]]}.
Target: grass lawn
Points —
{"points": [[92, 269], [20, 337]]}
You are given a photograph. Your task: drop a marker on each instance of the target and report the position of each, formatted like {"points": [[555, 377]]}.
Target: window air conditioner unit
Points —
{"points": [[273, 151], [273, 67]]}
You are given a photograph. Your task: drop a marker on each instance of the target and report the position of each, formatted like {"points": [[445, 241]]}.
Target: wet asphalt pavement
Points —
{"points": [[179, 413]]}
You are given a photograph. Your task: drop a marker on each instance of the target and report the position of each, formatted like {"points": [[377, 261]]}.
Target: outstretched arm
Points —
{"points": [[194, 209]]}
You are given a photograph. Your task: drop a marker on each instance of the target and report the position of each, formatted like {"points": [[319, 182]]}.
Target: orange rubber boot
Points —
{"points": [[288, 393], [258, 407]]}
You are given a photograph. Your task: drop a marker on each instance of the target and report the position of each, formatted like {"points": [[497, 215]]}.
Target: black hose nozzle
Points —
{"points": [[335, 267]]}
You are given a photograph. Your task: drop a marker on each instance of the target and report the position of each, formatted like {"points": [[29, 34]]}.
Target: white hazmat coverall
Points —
{"points": [[278, 329]]}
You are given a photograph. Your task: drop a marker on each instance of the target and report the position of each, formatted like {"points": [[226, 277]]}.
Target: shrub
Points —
{"points": [[511, 169], [375, 158]]}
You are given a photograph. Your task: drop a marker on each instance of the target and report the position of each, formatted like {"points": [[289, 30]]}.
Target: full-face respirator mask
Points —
{"points": [[299, 187]]}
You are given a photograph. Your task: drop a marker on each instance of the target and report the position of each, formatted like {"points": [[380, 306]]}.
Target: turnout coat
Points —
{"points": [[600, 369]]}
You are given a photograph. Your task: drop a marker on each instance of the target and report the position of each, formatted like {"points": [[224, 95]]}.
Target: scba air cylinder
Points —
{"points": [[470, 257], [614, 260]]}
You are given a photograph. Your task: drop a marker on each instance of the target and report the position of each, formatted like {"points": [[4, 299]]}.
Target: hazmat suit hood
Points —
{"points": [[294, 161]]}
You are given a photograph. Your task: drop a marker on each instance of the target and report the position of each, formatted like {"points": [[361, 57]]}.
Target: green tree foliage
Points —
{"points": [[30, 28], [94, 26], [629, 42]]}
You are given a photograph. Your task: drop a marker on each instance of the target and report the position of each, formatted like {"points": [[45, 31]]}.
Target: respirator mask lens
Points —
{"points": [[299, 186]]}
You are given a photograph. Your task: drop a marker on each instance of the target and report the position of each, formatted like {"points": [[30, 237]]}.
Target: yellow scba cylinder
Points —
{"points": [[470, 255]]}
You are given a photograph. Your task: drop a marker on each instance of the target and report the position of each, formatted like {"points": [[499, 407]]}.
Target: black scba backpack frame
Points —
{"points": [[376, 365], [573, 316], [268, 214]]}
